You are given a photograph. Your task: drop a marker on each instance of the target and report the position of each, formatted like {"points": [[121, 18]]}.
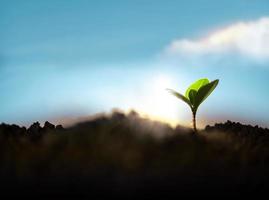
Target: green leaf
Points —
{"points": [[196, 86], [204, 92], [192, 96], [180, 96]]}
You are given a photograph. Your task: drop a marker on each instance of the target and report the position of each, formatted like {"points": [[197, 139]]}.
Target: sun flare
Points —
{"points": [[157, 104]]}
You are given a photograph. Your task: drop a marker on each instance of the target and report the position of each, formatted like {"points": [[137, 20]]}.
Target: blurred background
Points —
{"points": [[63, 60]]}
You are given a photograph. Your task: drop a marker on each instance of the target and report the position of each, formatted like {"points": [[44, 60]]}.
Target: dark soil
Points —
{"points": [[126, 156]]}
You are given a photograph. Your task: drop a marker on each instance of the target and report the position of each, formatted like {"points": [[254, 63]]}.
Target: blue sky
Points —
{"points": [[60, 60]]}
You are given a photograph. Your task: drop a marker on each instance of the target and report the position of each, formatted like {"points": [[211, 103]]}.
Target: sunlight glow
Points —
{"points": [[158, 104]]}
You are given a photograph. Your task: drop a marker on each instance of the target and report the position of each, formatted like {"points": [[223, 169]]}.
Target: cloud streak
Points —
{"points": [[249, 39]]}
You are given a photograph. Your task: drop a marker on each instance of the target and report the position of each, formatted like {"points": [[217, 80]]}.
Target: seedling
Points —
{"points": [[196, 94]]}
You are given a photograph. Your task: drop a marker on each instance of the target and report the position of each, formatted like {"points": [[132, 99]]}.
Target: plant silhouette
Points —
{"points": [[196, 94]]}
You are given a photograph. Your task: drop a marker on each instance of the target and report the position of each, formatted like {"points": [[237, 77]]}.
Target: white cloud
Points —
{"points": [[246, 38]]}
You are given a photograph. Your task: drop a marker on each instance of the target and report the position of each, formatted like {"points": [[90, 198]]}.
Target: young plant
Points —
{"points": [[196, 94]]}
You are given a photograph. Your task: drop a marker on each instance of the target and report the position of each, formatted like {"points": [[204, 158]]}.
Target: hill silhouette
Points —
{"points": [[125, 155]]}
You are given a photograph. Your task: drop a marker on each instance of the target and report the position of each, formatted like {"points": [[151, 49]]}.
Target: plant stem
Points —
{"points": [[194, 121]]}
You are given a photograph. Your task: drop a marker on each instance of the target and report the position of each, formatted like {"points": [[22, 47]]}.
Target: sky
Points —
{"points": [[63, 60]]}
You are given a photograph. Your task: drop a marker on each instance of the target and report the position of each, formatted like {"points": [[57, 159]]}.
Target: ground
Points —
{"points": [[128, 156]]}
